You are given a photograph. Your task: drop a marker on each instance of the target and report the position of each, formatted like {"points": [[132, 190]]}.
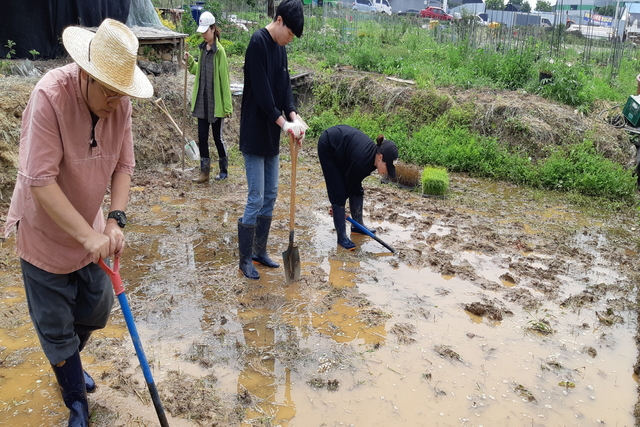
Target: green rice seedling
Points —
{"points": [[435, 181]]}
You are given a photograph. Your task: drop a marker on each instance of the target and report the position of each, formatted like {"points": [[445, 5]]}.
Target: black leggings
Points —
{"points": [[203, 137]]}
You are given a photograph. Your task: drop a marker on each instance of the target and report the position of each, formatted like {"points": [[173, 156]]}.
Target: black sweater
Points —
{"points": [[347, 156], [267, 94]]}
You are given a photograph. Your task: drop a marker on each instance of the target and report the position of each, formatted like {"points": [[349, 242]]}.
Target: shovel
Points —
{"points": [[190, 146], [118, 288], [291, 256], [370, 234]]}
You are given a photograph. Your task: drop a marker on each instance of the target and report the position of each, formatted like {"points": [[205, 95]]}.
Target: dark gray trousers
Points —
{"points": [[63, 305]]}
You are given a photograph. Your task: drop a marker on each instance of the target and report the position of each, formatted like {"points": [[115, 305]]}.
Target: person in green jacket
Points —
{"points": [[211, 98]]}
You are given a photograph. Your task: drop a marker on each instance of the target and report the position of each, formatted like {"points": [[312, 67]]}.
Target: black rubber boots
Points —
{"points": [[355, 206], [205, 171], [246, 236], [71, 380], [339, 222], [263, 225], [223, 162]]}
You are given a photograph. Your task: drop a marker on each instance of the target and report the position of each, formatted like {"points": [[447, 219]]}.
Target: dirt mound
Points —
{"points": [[526, 122]]}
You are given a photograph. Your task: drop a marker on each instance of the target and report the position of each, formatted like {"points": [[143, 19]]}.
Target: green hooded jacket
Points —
{"points": [[221, 84]]}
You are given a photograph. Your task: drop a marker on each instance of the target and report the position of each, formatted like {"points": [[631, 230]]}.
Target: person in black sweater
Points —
{"points": [[347, 156], [267, 107]]}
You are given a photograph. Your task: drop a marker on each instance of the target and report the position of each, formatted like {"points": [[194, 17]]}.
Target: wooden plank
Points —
{"points": [[395, 79]]}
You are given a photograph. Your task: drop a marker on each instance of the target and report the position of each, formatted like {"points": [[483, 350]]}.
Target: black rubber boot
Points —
{"points": [[223, 162], [71, 381], [246, 234], [90, 384], [263, 225], [205, 171], [355, 206], [339, 222]]}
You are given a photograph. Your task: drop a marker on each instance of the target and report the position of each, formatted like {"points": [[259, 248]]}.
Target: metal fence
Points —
{"points": [[338, 20]]}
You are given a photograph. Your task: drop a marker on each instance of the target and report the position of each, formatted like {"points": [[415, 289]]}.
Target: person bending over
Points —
{"points": [[347, 156]]}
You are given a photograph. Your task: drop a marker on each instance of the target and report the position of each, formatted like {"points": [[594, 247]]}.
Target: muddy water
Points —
{"points": [[365, 338]]}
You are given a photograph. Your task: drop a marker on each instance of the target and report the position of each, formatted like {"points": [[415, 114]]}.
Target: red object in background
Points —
{"points": [[435, 13]]}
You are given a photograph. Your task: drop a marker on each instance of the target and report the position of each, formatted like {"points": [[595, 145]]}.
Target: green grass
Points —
{"points": [[577, 168]]}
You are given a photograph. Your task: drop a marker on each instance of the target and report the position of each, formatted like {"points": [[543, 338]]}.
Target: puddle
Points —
{"points": [[475, 321]]}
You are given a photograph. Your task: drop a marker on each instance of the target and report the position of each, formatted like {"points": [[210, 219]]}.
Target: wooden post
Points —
{"points": [[184, 107]]}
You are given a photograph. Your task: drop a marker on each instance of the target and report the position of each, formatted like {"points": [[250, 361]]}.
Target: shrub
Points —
{"points": [[580, 168], [569, 85]]}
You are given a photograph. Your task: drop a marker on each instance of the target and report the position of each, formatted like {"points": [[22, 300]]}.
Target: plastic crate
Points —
{"points": [[632, 110]]}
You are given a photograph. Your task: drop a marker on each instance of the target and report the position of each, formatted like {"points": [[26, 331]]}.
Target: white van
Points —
{"points": [[382, 6]]}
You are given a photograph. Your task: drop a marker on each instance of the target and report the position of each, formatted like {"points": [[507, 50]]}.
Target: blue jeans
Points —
{"points": [[262, 180]]}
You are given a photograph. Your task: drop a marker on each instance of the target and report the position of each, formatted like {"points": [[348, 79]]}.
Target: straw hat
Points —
{"points": [[109, 55]]}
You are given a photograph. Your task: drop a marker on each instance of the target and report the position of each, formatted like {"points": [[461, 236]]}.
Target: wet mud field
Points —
{"points": [[502, 307]]}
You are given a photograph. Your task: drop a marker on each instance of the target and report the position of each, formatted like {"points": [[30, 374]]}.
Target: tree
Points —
{"points": [[543, 6], [495, 4], [608, 10], [526, 7]]}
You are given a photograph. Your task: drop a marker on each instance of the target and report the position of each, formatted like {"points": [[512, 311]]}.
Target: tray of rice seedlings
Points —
{"points": [[435, 182]]}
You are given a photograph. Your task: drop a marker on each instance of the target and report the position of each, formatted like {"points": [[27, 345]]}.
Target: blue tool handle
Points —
{"points": [[370, 234], [137, 344]]}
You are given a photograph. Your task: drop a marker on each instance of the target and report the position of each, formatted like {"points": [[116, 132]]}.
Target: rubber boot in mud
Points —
{"points": [[263, 225], [341, 228], [246, 234]]}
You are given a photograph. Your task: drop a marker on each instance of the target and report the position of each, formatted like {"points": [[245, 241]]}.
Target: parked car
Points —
{"points": [[382, 6], [470, 19], [435, 13], [364, 6], [409, 12]]}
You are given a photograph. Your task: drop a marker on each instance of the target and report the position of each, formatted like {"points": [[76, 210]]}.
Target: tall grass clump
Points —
{"points": [[571, 84], [580, 168], [515, 68], [459, 149]]}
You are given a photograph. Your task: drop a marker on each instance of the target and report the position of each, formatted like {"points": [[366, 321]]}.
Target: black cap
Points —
{"points": [[389, 153]]}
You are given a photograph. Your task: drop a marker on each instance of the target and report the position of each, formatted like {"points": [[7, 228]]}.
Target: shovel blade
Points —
{"points": [[291, 260]]}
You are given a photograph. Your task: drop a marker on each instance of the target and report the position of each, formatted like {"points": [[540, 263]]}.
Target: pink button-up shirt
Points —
{"points": [[55, 148]]}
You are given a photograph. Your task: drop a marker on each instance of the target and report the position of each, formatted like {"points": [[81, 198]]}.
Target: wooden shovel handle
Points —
{"points": [[293, 146]]}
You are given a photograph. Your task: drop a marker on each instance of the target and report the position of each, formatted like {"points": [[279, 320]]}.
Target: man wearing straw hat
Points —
{"points": [[76, 141]]}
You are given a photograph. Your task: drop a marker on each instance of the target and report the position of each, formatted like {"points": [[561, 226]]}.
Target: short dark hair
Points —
{"points": [[292, 15]]}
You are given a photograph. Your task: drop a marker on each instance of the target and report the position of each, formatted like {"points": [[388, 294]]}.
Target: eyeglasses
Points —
{"points": [[109, 96]]}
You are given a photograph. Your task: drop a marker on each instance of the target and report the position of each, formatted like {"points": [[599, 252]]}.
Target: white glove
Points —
{"points": [[302, 124], [296, 129]]}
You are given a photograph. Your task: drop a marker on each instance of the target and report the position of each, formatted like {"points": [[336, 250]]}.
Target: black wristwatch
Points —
{"points": [[120, 218]]}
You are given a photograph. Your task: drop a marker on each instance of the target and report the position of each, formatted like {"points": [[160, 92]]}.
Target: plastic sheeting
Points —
{"points": [[143, 14]]}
